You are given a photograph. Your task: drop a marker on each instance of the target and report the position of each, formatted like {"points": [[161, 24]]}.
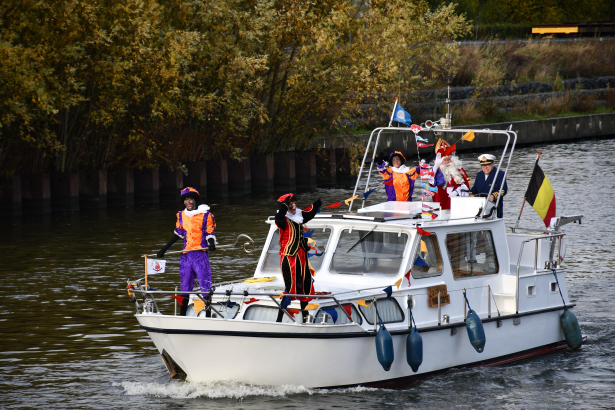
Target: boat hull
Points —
{"points": [[320, 356]]}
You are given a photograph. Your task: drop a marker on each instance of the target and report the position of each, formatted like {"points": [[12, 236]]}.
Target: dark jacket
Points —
{"points": [[481, 187]]}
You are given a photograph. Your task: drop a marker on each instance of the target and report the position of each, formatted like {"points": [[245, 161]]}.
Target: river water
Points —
{"points": [[69, 339]]}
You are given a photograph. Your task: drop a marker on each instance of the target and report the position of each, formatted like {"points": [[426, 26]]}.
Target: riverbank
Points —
{"points": [[547, 130]]}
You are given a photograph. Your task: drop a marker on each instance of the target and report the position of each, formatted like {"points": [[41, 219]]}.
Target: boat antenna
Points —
{"points": [[447, 122]]}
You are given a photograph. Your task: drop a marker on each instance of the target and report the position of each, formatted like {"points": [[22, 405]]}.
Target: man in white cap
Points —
{"points": [[485, 179]]}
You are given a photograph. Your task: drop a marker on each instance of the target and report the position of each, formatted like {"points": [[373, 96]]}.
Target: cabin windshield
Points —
{"points": [[359, 252], [317, 242]]}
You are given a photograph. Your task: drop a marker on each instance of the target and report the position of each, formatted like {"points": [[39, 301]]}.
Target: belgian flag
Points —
{"points": [[540, 195]]}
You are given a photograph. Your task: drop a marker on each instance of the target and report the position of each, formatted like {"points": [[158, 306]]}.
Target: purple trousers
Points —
{"points": [[194, 265]]}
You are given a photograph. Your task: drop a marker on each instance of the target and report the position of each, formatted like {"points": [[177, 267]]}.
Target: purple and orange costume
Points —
{"points": [[196, 228], [399, 182]]}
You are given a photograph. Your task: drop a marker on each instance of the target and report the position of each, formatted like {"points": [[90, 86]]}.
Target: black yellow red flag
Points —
{"points": [[540, 195]]}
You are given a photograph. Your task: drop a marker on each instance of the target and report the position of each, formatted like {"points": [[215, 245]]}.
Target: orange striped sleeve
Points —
{"points": [[211, 224]]}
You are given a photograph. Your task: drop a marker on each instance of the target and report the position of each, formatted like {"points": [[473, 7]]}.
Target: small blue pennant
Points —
{"points": [[285, 301], [420, 262], [307, 234], [332, 312], [389, 291], [366, 194]]}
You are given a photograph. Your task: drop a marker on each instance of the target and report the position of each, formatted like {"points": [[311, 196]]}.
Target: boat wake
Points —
{"points": [[224, 390]]}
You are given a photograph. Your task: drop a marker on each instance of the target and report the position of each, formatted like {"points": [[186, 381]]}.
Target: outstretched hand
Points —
{"points": [[317, 203], [161, 253]]}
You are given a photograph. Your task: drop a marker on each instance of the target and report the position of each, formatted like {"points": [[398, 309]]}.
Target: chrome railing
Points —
{"points": [[508, 134], [550, 236]]}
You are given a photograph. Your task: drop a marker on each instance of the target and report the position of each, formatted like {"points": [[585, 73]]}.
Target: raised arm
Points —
{"points": [[280, 216], [310, 212], [384, 171]]}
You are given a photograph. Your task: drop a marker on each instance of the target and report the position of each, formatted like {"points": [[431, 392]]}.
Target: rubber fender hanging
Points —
{"points": [[476, 333], [572, 332], [384, 348], [414, 349]]}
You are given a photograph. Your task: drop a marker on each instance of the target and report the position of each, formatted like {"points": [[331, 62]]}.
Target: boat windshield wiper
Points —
{"points": [[361, 240]]}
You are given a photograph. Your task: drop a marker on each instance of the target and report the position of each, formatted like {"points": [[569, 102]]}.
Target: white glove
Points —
{"points": [[437, 163]]}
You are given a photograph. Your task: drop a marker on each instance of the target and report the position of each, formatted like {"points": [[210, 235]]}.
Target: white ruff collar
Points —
{"points": [[297, 217], [200, 210], [401, 169]]}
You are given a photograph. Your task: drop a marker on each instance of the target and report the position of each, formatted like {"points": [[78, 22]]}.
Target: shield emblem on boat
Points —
{"points": [[155, 266]]}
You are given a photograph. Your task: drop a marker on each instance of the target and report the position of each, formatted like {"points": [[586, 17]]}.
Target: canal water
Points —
{"points": [[69, 339]]}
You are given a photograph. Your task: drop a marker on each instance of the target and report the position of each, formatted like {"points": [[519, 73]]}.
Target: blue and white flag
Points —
{"points": [[420, 139], [401, 115]]}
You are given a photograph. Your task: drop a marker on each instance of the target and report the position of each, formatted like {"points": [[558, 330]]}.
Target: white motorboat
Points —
{"points": [[438, 270]]}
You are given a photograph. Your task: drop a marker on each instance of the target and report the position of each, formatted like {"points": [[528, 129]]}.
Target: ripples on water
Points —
{"points": [[69, 338]]}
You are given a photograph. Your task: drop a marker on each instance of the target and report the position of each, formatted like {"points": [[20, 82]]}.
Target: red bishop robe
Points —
{"points": [[443, 195]]}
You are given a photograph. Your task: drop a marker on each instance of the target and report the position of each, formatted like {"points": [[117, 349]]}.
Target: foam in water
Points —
{"points": [[222, 389]]}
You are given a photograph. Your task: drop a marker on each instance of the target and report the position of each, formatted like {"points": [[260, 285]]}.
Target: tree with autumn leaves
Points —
{"points": [[142, 83]]}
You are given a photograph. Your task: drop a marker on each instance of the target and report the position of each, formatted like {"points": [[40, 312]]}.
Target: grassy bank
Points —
{"points": [[492, 64], [562, 105]]}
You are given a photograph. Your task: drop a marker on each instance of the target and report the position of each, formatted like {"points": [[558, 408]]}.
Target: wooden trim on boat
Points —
{"points": [[285, 335]]}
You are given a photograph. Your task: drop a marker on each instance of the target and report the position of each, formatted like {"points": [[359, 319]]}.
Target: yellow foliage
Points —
{"points": [[135, 83]]}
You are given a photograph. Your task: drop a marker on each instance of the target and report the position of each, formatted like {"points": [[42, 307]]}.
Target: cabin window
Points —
{"points": [[427, 261], [342, 317], [359, 252], [317, 241], [389, 311], [226, 312], [265, 314], [472, 254]]}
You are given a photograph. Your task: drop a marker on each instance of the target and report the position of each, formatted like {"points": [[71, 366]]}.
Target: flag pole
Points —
{"points": [[524, 198], [393, 113], [145, 256]]}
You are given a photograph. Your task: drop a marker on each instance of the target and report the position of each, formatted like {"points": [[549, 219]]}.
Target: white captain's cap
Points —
{"points": [[486, 159]]}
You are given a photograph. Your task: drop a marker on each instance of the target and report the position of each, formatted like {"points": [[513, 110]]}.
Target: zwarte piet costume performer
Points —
{"points": [[398, 178], [455, 177], [196, 226], [294, 248], [486, 177]]}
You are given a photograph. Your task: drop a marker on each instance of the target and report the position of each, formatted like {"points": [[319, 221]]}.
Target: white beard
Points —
{"points": [[297, 217], [451, 170]]}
